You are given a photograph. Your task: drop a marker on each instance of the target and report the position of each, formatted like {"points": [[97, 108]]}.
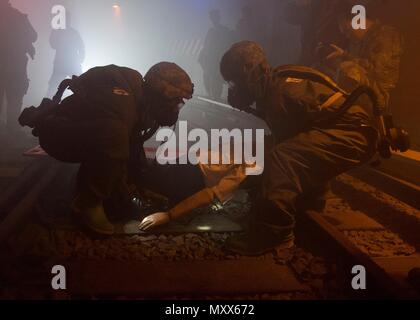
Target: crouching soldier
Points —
{"points": [[103, 126], [320, 132]]}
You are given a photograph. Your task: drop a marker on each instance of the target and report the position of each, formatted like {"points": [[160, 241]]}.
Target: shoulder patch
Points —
{"points": [[120, 92]]}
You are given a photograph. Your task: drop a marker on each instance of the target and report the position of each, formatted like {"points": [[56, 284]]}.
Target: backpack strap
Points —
{"points": [[333, 99], [302, 72]]}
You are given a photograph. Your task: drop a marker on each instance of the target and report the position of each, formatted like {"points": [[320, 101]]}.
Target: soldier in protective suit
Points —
{"points": [[314, 141], [376, 51], [103, 126], [16, 42]]}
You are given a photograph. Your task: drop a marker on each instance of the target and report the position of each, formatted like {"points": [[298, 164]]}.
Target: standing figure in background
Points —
{"points": [[17, 37], [69, 54], [245, 29], [217, 41]]}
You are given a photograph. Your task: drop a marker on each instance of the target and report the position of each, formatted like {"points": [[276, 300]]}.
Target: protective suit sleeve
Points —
{"points": [[200, 199]]}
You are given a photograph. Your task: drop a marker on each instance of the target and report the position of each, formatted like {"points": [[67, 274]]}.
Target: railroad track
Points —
{"points": [[133, 262], [375, 230], [18, 201], [193, 263]]}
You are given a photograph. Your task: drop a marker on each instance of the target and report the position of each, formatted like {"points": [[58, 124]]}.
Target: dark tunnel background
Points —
{"points": [[140, 33]]}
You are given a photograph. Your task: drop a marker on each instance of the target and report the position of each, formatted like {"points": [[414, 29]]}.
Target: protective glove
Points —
{"points": [[154, 220]]}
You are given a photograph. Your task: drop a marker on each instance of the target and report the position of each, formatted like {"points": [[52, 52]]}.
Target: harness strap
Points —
{"points": [[331, 100]]}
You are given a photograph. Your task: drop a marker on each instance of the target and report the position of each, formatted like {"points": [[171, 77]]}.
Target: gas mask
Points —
{"points": [[239, 97], [166, 111]]}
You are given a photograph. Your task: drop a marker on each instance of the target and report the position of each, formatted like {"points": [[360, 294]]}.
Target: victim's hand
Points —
{"points": [[154, 220]]}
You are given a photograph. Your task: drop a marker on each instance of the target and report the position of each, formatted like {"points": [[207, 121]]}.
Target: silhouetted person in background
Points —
{"points": [[218, 40], [69, 54], [246, 28], [16, 42]]}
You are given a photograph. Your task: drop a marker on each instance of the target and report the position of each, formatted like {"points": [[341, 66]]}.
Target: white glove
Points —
{"points": [[154, 220]]}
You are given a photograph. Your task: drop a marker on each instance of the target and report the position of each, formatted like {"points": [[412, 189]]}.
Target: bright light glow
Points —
{"points": [[117, 10], [204, 228], [217, 207]]}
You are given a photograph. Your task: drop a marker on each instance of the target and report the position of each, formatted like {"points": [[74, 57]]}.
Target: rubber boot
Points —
{"points": [[94, 217]]}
